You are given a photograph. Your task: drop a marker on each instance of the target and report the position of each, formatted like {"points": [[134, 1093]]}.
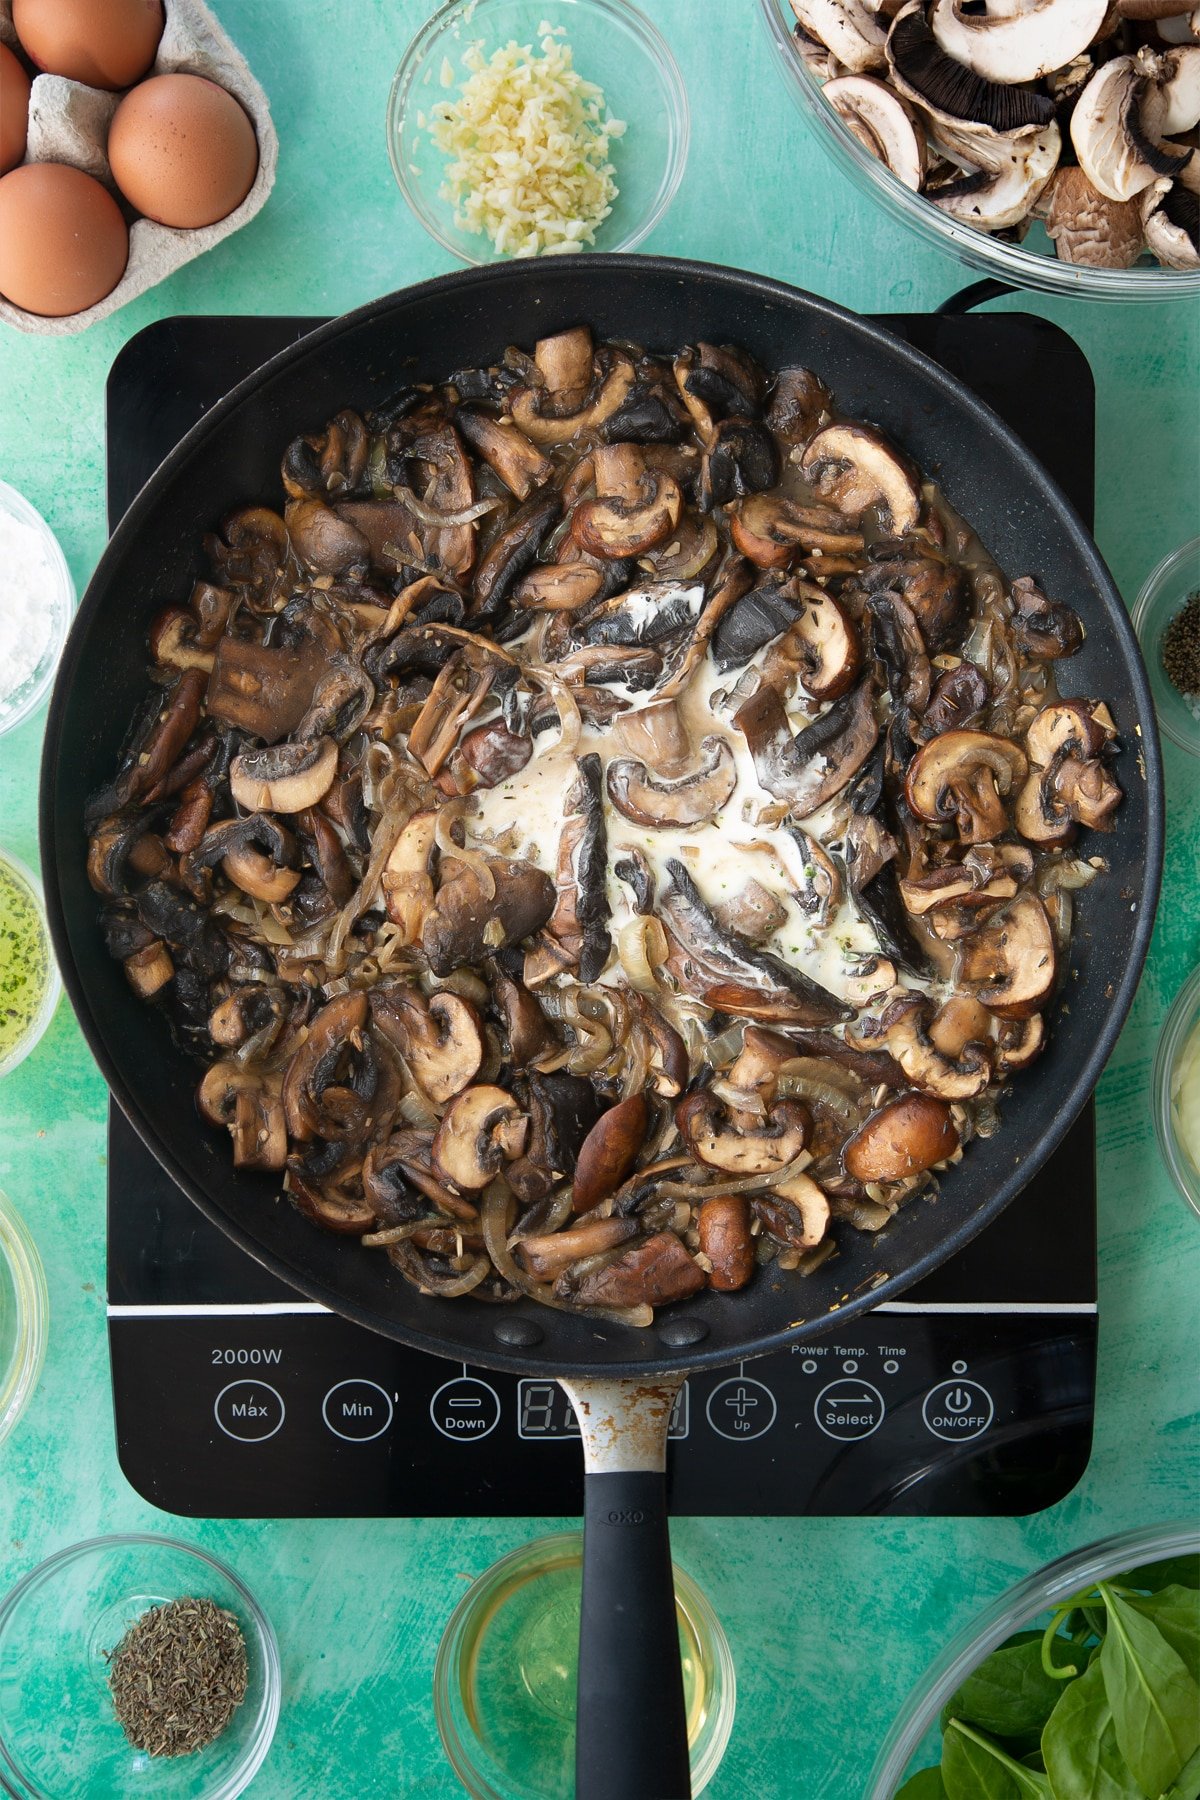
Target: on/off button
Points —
{"points": [[957, 1411]]}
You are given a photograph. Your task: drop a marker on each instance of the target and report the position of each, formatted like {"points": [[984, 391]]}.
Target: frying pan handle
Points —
{"points": [[631, 1722]]}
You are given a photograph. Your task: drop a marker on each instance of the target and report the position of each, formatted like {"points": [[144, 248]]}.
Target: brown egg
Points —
{"points": [[182, 150], [14, 110], [107, 43], [63, 242]]}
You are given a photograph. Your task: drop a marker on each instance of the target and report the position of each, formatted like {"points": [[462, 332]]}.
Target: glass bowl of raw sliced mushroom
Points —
{"points": [[1051, 143]]}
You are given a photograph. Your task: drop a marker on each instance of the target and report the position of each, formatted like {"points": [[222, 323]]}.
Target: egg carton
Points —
{"points": [[68, 123]]}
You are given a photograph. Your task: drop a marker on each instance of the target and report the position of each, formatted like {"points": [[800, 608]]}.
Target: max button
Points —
{"points": [[957, 1411], [465, 1409], [250, 1411], [357, 1411]]}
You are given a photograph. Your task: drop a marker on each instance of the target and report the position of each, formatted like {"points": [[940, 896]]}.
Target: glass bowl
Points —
{"points": [[504, 1680], [614, 46], [1163, 593], [59, 1736], [1177, 1056], [1022, 264], [17, 704], [24, 1311], [35, 985], [914, 1740]]}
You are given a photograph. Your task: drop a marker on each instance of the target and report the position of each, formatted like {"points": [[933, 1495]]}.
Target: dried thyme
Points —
{"points": [[178, 1676], [1181, 648]]}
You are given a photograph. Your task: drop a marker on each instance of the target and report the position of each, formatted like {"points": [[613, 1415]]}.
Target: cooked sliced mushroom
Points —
{"points": [[903, 1138], [469, 922], [771, 530], [726, 970], [723, 1228], [513, 551], [762, 614], [715, 1140], [1116, 128], [563, 1109], [609, 1151], [959, 1021], [883, 123], [669, 1065], [580, 917], [442, 1040], [854, 467], [149, 970], [716, 382], [653, 1273], [1018, 42], [553, 414], [284, 778], [963, 776], [327, 544], [1011, 960], [823, 644], [518, 462], [755, 913], [741, 458], [256, 853], [482, 1129], [1042, 627], [980, 878], [644, 615], [795, 1213], [1067, 785], [558, 587], [902, 1029], [174, 640], [488, 755], [629, 527], [248, 1103], [850, 29], [799, 401], [1019, 1042], [689, 798], [406, 882], [808, 769]]}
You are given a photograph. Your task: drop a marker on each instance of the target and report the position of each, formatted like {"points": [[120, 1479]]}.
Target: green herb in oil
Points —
{"points": [[24, 960]]}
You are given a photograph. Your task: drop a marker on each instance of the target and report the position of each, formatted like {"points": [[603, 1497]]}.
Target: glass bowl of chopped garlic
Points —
{"points": [[521, 128]]}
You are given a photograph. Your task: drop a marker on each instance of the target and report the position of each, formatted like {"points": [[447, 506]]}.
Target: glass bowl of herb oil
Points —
{"points": [[504, 1680], [30, 985], [1087, 1663], [1177, 1091], [23, 1313], [132, 1665], [1166, 617]]}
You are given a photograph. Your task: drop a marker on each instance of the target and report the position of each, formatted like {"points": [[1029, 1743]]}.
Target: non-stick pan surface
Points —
{"points": [[232, 458]]}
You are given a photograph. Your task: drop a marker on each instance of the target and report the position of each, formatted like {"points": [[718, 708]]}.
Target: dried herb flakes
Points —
{"points": [[178, 1676]]}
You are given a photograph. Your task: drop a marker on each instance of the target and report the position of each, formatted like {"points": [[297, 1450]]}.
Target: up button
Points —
{"points": [[957, 1411]]}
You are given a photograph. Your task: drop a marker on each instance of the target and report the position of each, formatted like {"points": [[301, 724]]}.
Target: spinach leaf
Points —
{"points": [[1080, 1745], [1182, 1571], [1176, 1612], [974, 1768], [1188, 1784], [1155, 1702], [1009, 1693], [927, 1785]]}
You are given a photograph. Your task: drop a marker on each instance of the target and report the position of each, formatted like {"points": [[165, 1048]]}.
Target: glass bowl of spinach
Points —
{"points": [[1081, 1683]]}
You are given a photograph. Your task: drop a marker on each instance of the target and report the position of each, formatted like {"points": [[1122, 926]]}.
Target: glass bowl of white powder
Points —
{"points": [[37, 599]]}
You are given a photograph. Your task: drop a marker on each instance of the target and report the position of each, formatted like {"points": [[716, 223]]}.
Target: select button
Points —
{"points": [[357, 1411], [251, 1411]]}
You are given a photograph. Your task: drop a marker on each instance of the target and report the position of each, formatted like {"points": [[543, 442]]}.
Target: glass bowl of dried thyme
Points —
{"points": [[134, 1664], [1166, 617]]}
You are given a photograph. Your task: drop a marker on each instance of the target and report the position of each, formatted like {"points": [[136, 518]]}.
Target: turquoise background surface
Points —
{"points": [[830, 1621]]}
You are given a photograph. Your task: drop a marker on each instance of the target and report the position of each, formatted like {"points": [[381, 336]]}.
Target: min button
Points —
{"points": [[357, 1411], [251, 1411], [957, 1411]]}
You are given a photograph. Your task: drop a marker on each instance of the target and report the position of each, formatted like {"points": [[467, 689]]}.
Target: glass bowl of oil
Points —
{"points": [[30, 985], [504, 1680], [23, 1314]]}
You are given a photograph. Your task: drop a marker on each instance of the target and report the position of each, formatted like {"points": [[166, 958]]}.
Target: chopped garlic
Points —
{"points": [[529, 142]]}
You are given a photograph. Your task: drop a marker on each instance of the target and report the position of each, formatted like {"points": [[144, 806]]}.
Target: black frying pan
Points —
{"points": [[631, 1735]]}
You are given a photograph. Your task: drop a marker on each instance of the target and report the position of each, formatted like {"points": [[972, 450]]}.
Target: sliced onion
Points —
{"points": [[429, 515], [448, 816], [642, 948], [744, 1184], [569, 721], [394, 1234], [447, 1287], [494, 1219]]}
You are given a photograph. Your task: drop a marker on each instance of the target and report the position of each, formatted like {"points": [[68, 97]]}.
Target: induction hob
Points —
{"points": [[234, 1397]]}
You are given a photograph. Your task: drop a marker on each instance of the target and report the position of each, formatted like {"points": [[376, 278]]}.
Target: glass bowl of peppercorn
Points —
{"points": [[134, 1664], [1166, 617]]}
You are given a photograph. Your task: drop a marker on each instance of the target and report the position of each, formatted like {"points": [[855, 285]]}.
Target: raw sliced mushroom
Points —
{"points": [[883, 123], [482, 1129], [849, 29], [995, 199], [1021, 40], [1086, 227], [946, 88], [854, 467], [1011, 960], [1116, 129], [1170, 217], [963, 777], [696, 794], [284, 778]]}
